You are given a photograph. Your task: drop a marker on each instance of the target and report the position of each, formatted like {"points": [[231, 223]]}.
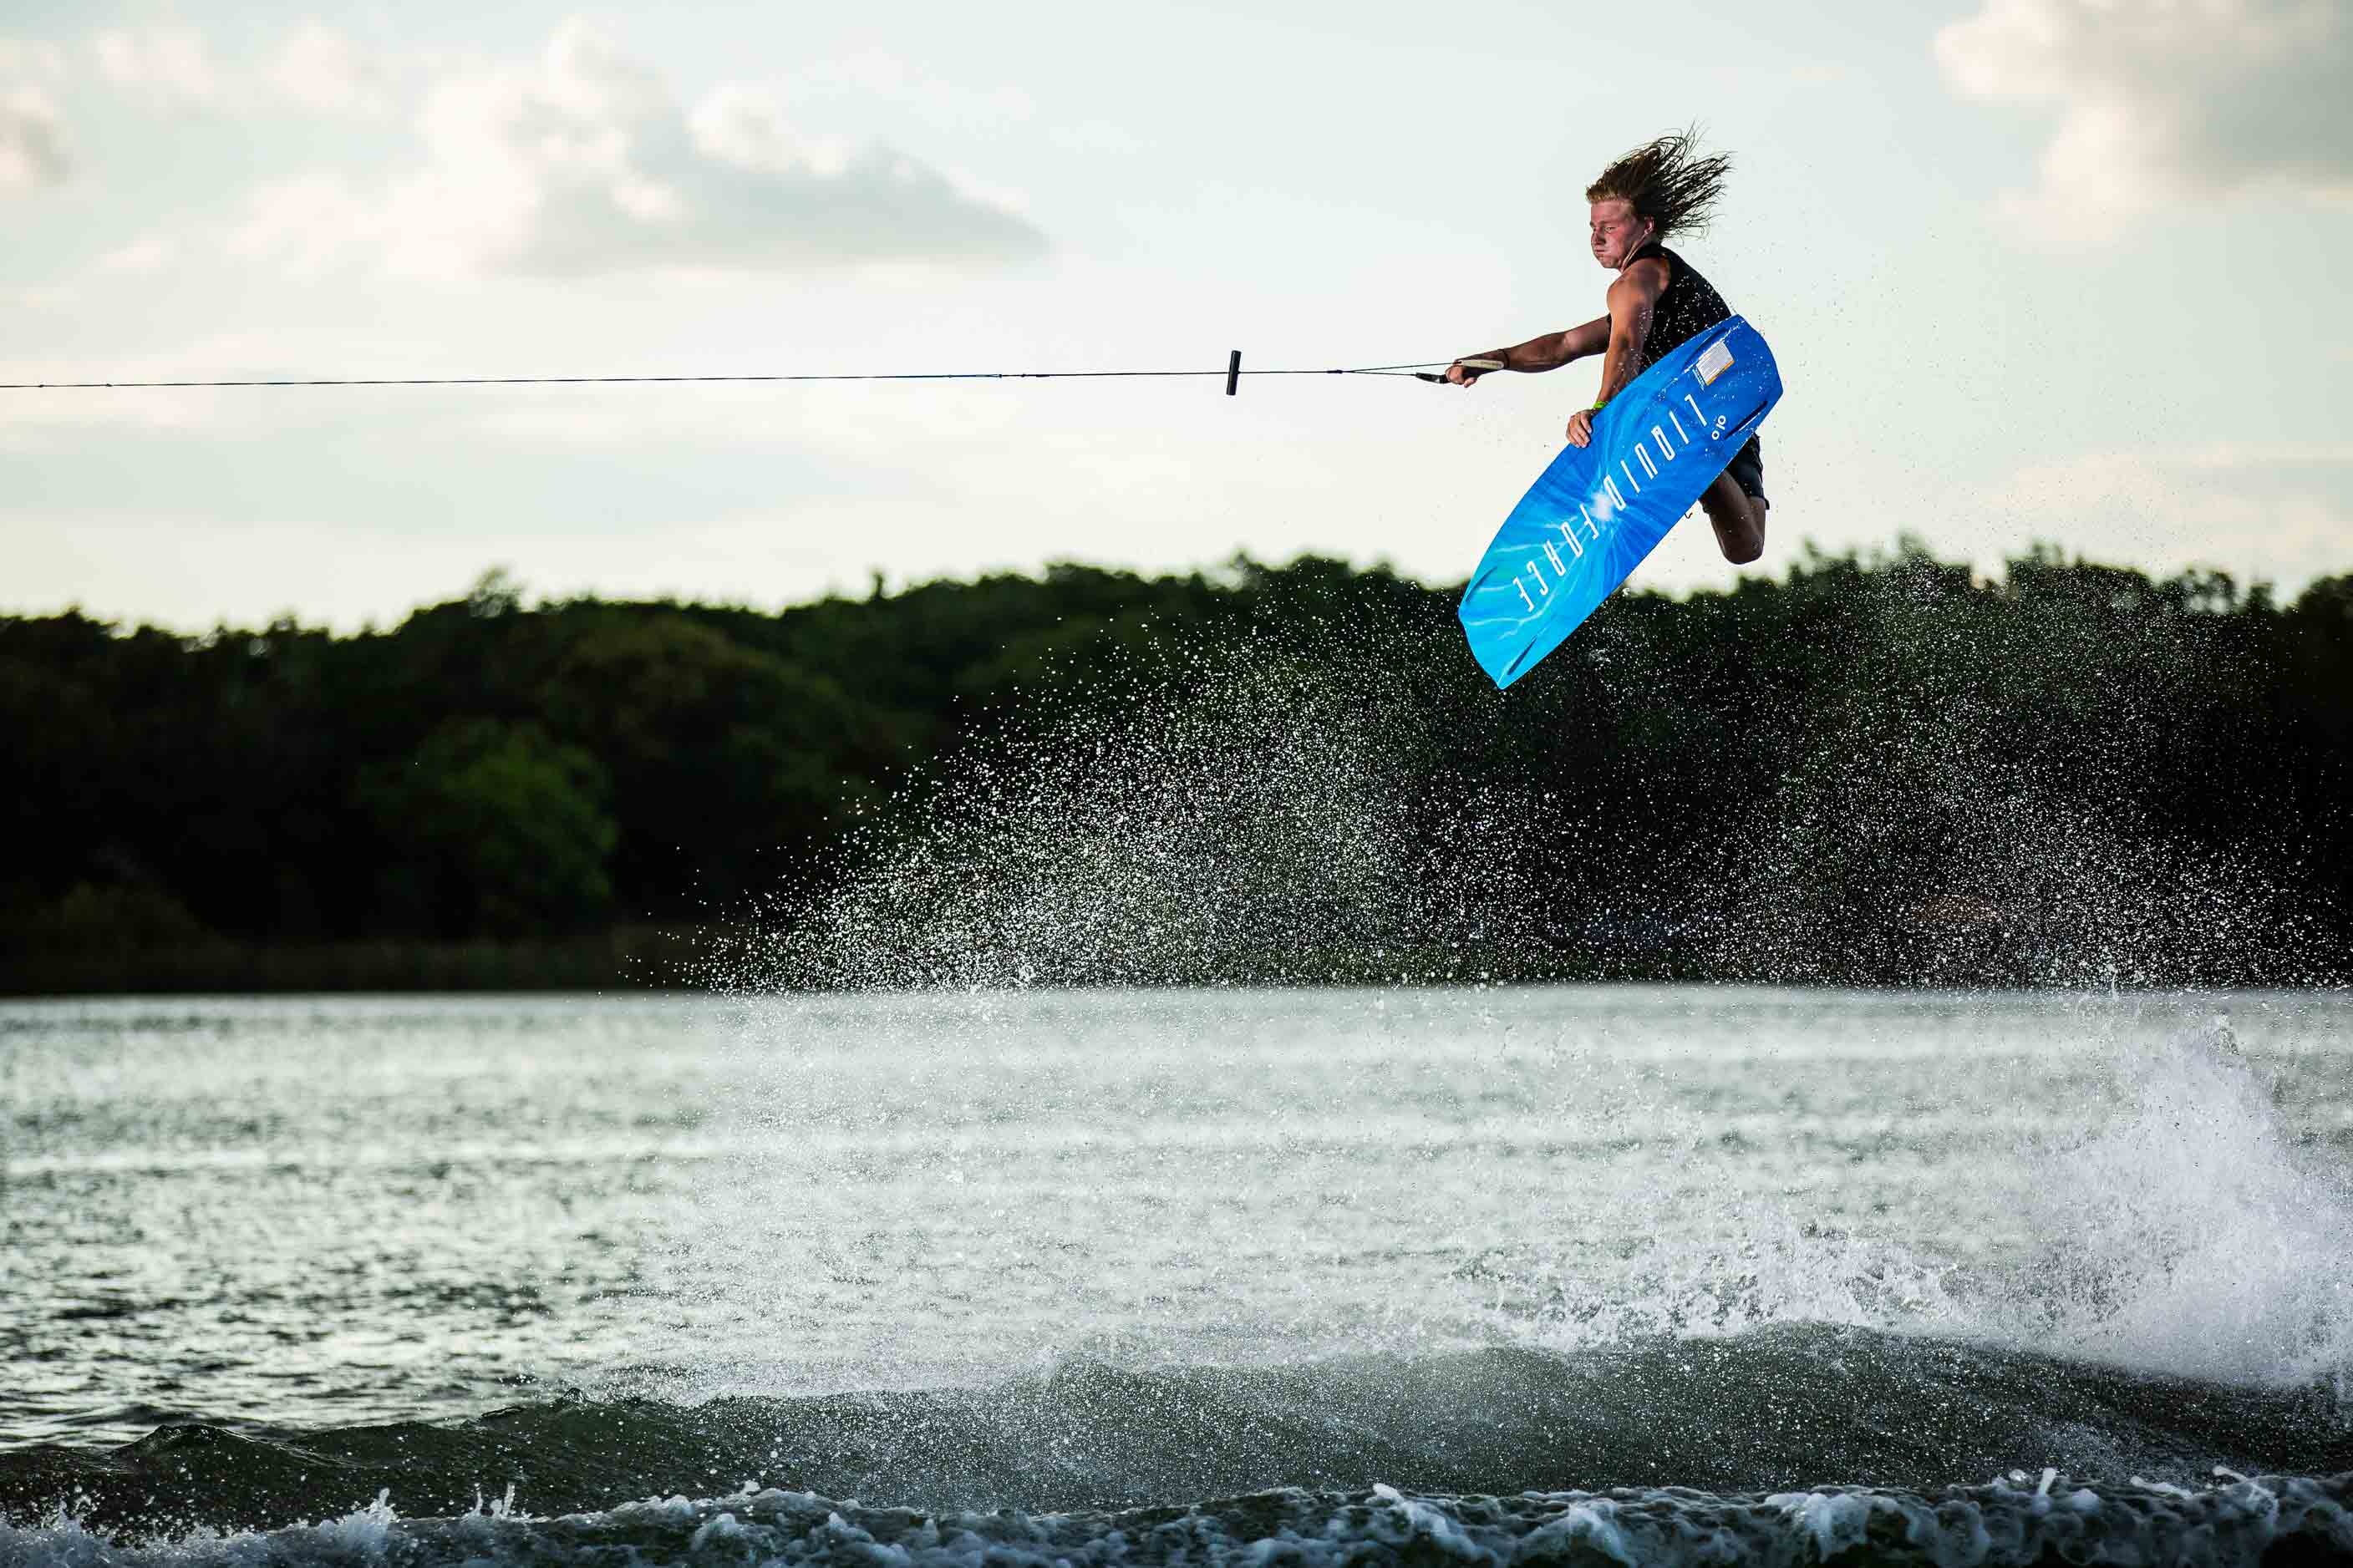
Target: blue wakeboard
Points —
{"points": [[1591, 517]]}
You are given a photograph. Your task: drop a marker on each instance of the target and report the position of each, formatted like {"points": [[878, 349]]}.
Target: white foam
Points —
{"points": [[2189, 1234], [1994, 1525], [2192, 1235]]}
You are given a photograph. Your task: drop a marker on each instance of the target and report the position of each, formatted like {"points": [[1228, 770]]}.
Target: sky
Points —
{"points": [[2063, 270]]}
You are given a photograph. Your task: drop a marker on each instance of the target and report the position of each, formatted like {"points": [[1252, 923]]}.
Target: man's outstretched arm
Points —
{"points": [[1550, 352]]}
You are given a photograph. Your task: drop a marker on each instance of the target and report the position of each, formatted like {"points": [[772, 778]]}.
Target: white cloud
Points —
{"points": [[29, 60], [148, 254], [582, 162], [32, 141], [2274, 510], [320, 70], [2163, 101], [169, 65], [743, 126], [314, 68], [307, 225]]}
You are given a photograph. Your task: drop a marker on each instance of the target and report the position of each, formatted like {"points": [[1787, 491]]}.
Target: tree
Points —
{"points": [[497, 829]]}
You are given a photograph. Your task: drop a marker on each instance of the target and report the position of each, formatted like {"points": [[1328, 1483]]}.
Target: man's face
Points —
{"points": [[1617, 232]]}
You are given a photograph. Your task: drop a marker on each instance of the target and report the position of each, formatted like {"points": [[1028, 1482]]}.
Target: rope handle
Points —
{"points": [[1479, 364]]}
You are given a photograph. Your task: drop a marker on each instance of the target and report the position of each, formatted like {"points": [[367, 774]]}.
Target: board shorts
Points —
{"points": [[1748, 470]]}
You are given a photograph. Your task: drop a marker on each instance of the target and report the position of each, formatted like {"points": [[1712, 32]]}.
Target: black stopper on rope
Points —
{"points": [[1233, 370]]}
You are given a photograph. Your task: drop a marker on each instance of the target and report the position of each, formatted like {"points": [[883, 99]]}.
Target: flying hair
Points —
{"points": [[1668, 181]]}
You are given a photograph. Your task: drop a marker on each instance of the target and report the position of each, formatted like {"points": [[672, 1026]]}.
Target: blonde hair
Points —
{"points": [[1667, 181]]}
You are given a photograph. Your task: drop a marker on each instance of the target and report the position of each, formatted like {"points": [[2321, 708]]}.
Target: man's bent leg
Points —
{"points": [[1739, 518]]}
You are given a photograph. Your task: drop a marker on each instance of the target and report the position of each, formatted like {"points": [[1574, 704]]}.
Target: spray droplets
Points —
{"points": [[1236, 812]]}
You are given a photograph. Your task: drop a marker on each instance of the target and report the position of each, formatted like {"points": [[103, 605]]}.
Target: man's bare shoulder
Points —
{"points": [[1645, 281]]}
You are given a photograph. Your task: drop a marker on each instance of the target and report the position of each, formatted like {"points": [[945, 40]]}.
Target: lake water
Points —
{"points": [[1168, 1275]]}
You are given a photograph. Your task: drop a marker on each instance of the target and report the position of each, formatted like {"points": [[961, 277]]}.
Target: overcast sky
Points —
{"points": [[2062, 270]]}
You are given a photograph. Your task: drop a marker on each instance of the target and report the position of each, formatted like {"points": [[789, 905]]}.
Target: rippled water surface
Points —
{"points": [[296, 1218]]}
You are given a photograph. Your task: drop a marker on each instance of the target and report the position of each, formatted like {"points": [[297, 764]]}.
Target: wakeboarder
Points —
{"points": [[1658, 302]]}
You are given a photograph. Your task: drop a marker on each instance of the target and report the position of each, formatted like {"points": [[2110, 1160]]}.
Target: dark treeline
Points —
{"points": [[1868, 770]]}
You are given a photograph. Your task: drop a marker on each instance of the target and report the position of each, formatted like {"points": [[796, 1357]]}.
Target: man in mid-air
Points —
{"points": [[1658, 303]]}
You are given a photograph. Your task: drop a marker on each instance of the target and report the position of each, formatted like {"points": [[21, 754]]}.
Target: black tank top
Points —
{"points": [[1689, 307]]}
